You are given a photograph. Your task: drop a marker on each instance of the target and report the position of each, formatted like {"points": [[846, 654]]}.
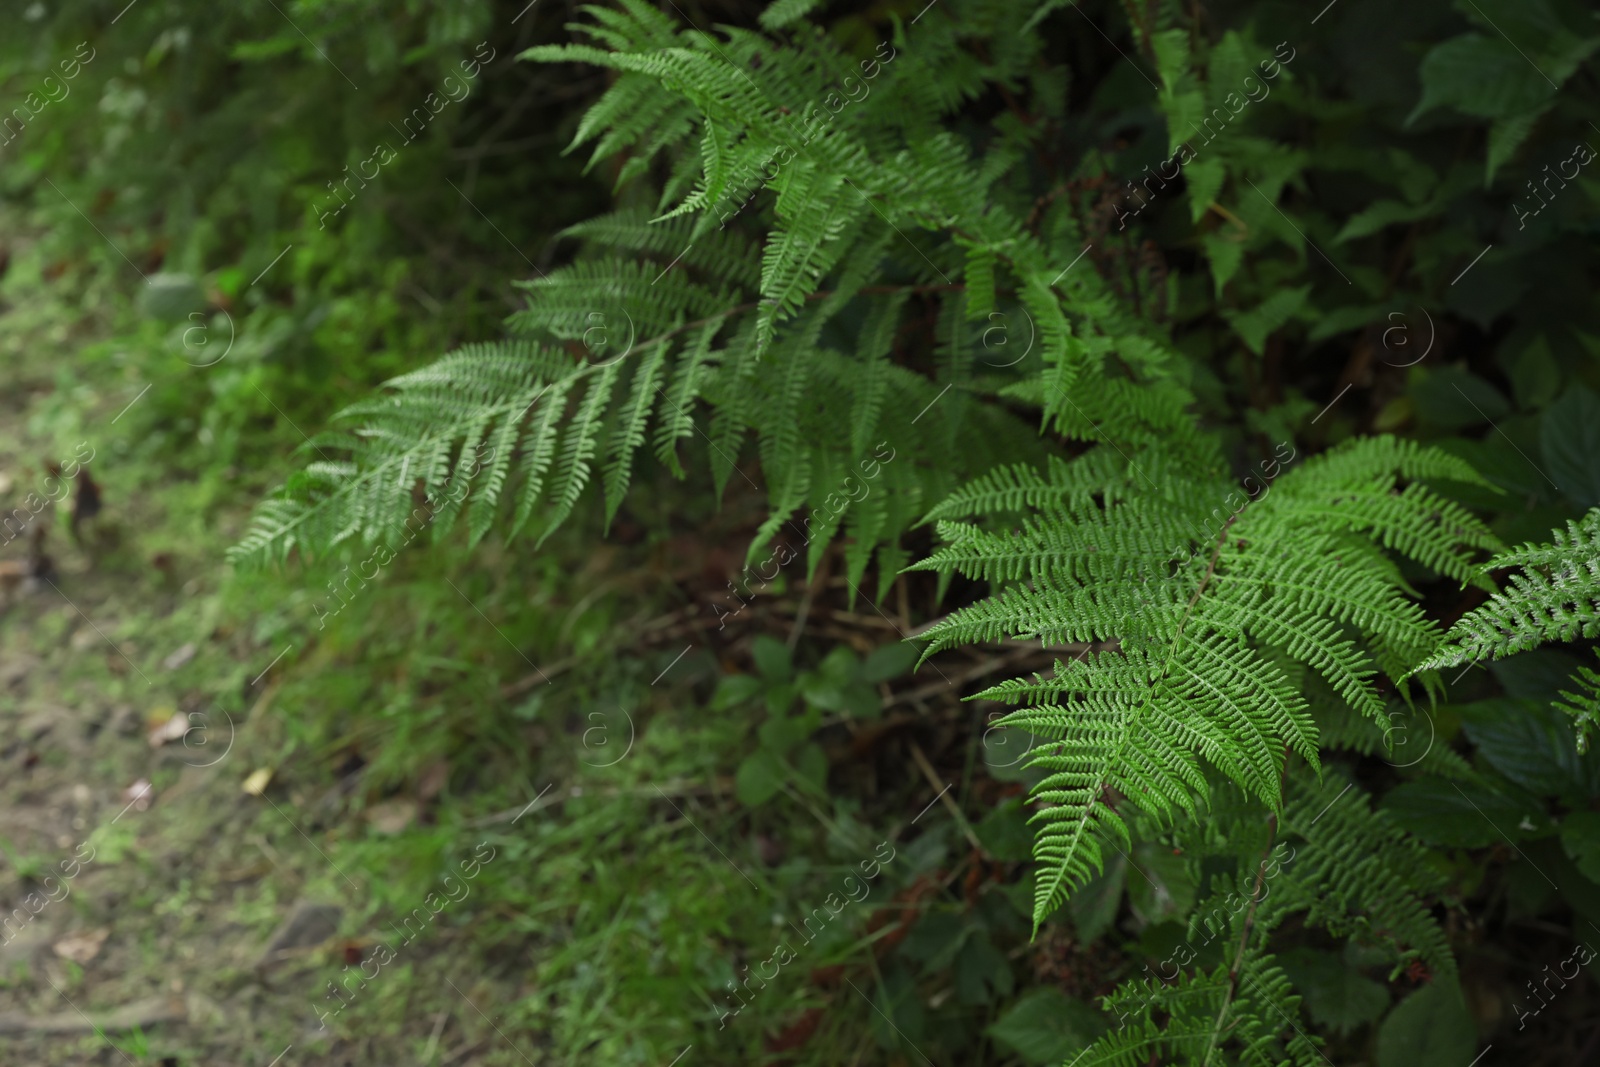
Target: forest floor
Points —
{"points": [[142, 883], [246, 809], [210, 811], [191, 854]]}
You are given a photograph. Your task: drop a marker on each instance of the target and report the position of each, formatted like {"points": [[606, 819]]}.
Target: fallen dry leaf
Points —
{"points": [[256, 784], [141, 1013], [171, 729], [180, 657], [433, 780], [307, 926], [392, 816], [81, 948], [138, 794]]}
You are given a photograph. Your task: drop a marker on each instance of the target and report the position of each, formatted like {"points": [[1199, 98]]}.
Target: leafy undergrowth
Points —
{"points": [[462, 799], [673, 832], [656, 805]]}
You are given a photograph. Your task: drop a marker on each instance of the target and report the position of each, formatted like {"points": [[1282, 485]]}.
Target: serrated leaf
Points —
{"points": [[1506, 135], [1253, 327], [1094, 907], [1430, 1028], [1480, 76], [1532, 744], [1045, 1026], [1460, 814], [1580, 836], [1569, 444], [1336, 994]]}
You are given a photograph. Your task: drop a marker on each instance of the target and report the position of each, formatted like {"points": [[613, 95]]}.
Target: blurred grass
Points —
{"points": [[608, 920]]}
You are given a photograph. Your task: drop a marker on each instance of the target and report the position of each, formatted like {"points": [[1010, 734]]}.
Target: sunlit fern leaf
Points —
{"points": [[725, 255], [1554, 596], [814, 214], [713, 170], [633, 299], [1584, 705], [679, 396], [629, 434], [1200, 600], [582, 441], [1099, 473], [540, 448]]}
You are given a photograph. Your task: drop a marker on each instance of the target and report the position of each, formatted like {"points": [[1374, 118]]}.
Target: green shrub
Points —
{"points": [[1087, 299]]}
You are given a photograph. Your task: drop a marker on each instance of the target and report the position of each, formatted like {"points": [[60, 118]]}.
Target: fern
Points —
{"points": [[1189, 604], [1583, 706], [1554, 597], [1244, 1006], [797, 294], [722, 333], [1339, 866], [1360, 875]]}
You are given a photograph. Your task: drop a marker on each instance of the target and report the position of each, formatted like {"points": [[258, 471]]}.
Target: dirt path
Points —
{"points": [[141, 883]]}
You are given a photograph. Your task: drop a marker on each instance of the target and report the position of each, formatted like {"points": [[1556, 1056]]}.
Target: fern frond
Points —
{"points": [[1360, 874], [1108, 738], [1069, 486], [1584, 705], [1201, 606], [1554, 597], [1247, 1015], [629, 433]]}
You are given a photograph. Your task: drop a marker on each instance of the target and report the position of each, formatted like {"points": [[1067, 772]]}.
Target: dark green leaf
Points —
{"points": [[1160, 886], [1095, 905], [982, 971], [1045, 1026], [1569, 441], [1005, 833], [1335, 993], [1452, 398], [1580, 836], [733, 690], [887, 661], [812, 764], [1430, 1028], [1480, 76], [1532, 744], [758, 778], [772, 658], [1537, 674], [1461, 814]]}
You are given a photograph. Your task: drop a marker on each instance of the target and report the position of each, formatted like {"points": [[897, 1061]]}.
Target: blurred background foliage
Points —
{"points": [[1376, 247]]}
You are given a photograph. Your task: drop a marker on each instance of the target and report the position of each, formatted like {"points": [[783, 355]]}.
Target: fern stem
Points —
{"points": [[1205, 579], [1244, 940]]}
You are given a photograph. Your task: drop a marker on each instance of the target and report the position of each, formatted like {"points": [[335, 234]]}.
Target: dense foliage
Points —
{"points": [[846, 306], [1210, 354]]}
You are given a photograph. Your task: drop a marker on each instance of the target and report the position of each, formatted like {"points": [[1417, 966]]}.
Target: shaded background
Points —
{"points": [[269, 797]]}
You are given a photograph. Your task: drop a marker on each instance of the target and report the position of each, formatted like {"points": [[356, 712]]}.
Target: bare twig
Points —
{"points": [[955, 810], [674, 789]]}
